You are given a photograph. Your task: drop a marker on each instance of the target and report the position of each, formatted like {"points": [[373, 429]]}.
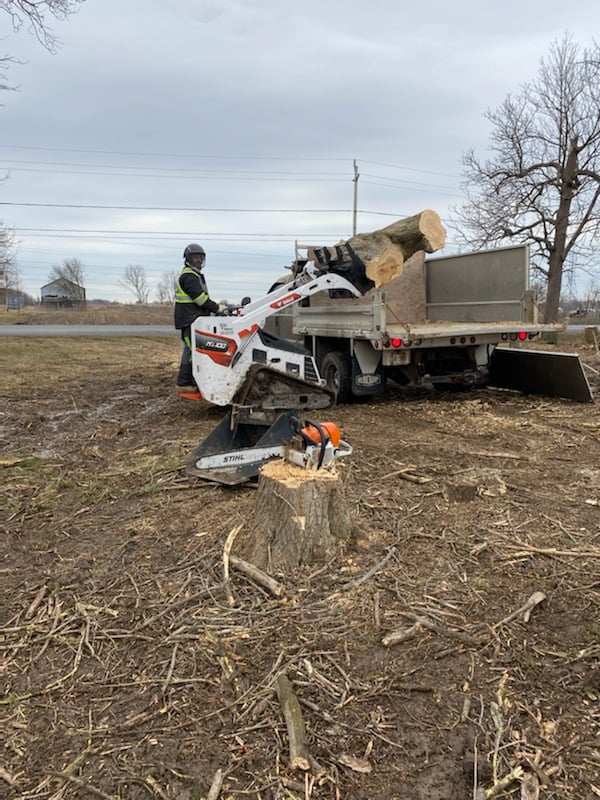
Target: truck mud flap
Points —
{"points": [[233, 453], [540, 372], [367, 384]]}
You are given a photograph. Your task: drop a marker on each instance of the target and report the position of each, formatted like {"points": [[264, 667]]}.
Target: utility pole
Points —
{"points": [[355, 181]]}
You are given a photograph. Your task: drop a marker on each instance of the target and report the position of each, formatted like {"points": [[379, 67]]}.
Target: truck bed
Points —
{"points": [[440, 329], [373, 323]]}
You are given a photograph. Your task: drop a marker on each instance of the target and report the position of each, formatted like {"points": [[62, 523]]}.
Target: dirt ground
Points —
{"points": [[126, 673]]}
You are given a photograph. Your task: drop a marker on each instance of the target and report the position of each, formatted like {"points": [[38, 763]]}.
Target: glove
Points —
{"points": [[223, 310]]}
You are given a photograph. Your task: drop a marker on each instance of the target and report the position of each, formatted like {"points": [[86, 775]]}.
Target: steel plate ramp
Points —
{"points": [[540, 372]]}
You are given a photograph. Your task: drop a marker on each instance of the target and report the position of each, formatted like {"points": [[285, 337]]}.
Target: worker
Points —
{"points": [[191, 300]]}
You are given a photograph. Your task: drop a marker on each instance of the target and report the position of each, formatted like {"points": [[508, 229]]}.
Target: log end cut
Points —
{"points": [[384, 252]]}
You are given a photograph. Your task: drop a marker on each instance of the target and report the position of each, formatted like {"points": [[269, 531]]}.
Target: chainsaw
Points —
{"points": [[228, 455]]}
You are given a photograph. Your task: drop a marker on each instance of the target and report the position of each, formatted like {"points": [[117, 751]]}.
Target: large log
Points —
{"points": [[299, 516], [384, 251], [423, 231]]}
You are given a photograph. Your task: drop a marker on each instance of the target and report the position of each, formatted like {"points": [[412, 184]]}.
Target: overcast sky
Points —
{"points": [[236, 124]]}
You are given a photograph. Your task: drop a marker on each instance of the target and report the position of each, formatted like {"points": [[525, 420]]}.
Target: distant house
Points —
{"points": [[62, 293], [10, 299]]}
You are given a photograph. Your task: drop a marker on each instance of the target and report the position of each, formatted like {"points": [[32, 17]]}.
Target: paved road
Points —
{"points": [[87, 330], [120, 330]]}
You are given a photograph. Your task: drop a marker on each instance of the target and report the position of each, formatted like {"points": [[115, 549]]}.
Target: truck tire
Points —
{"points": [[336, 370]]}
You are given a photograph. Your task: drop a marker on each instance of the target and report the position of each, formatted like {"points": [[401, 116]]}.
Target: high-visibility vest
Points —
{"points": [[183, 297]]}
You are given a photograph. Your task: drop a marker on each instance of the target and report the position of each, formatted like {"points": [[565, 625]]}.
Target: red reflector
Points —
{"points": [[522, 335], [396, 342]]}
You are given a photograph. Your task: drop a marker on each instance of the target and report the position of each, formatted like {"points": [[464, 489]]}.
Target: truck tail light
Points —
{"points": [[396, 342], [522, 335]]}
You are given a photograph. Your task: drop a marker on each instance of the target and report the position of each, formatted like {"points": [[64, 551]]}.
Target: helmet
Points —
{"points": [[192, 250]]}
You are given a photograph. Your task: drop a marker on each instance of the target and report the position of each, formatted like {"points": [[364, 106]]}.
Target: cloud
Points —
{"points": [[231, 105]]}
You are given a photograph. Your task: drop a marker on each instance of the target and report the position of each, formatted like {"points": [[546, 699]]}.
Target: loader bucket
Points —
{"points": [[540, 372], [234, 452]]}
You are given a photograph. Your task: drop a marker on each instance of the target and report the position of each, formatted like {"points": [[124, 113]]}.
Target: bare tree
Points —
{"points": [[34, 14], [134, 280], [541, 183], [70, 279], [9, 272], [165, 291]]}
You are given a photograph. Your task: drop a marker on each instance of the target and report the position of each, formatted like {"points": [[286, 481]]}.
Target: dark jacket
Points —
{"points": [[191, 298]]}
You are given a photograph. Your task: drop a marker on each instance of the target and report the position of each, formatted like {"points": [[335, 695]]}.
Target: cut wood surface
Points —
{"points": [[299, 515], [384, 251], [394, 258], [404, 295]]}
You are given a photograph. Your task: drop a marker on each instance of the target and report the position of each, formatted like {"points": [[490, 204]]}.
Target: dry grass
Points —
{"points": [[113, 314]]}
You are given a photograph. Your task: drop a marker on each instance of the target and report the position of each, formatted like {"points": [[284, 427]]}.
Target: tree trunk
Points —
{"points": [[384, 251], [555, 271], [300, 515], [560, 248]]}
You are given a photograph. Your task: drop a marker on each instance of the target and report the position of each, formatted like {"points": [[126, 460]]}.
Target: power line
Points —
{"points": [[168, 234], [205, 210], [173, 169], [218, 176], [174, 208], [393, 182], [415, 188], [411, 169], [212, 157]]}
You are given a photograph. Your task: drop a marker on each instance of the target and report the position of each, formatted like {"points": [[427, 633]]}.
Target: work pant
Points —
{"points": [[186, 377]]}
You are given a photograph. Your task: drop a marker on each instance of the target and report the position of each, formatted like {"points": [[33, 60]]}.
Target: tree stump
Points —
{"points": [[300, 516]]}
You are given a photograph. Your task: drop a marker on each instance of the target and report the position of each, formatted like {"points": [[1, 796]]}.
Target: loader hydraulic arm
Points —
{"points": [[308, 282], [229, 352]]}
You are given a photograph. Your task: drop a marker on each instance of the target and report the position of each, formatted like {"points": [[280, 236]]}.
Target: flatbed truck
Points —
{"points": [[453, 322]]}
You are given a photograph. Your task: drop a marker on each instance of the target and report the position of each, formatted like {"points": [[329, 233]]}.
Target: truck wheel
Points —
{"points": [[335, 368]]}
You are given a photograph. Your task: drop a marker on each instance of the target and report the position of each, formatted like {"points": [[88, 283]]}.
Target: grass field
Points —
{"points": [[113, 314]]}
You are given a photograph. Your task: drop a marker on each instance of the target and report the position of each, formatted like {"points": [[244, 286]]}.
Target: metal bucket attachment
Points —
{"points": [[234, 452], [540, 372]]}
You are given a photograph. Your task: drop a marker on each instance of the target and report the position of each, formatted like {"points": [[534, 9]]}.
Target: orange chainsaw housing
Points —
{"points": [[330, 429]]}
